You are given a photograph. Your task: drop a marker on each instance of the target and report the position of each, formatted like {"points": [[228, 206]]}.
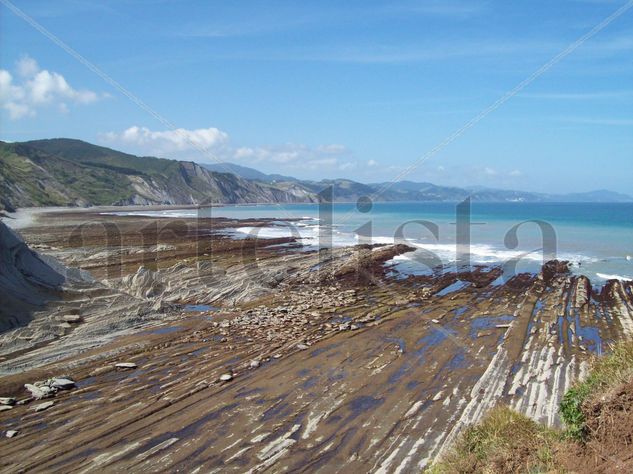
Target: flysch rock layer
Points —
{"points": [[306, 361]]}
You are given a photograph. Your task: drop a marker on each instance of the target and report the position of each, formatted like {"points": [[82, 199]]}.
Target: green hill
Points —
{"points": [[75, 173]]}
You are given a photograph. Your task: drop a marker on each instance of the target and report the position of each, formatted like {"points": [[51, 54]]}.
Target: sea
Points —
{"points": [[596, 238]]}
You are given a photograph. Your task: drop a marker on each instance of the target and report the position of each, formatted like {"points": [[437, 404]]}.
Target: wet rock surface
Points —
{"points": [[312, 361]]}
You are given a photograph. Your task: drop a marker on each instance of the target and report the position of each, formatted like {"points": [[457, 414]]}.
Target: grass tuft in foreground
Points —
{"points": [[598, 414], [607, 372], [504, 441]]}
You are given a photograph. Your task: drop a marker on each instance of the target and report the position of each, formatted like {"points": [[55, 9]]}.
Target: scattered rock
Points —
{"points": [[125, 365], [62, 383], [7, 401], [302, 347], [436, 321], [255, 364], [11, 433], [438, 396], [502, 326], [43, 406], [5, 407], [71, 318], [226, 377], [40, 391]]}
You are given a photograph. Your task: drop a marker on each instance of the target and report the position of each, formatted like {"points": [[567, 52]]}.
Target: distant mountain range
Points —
{"points": [[67, 172], [346, 190]]}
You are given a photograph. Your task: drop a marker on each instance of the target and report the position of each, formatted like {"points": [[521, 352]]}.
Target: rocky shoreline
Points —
{"points": [[190, 350]]}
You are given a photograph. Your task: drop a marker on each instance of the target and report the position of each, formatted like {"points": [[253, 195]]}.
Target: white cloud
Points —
{"points": [[208, 145], [515, 173], [167, 142], [292, 155], [27, 67], [38, 88], [372, 163]]}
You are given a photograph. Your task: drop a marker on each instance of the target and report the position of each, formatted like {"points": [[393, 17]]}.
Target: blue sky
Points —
{"points": [[356, 89]]}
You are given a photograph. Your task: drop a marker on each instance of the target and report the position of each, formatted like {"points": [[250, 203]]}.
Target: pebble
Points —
{"points": [[436, 321], [62, 383], [125, 365], [438, 396], [302, 347], [254, 364], [7, 401], [226, 377], [43, 406], [71, 318], [11, 433]]}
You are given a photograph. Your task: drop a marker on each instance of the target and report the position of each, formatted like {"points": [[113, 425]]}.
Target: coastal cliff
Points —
{"points": [[65, 172]]}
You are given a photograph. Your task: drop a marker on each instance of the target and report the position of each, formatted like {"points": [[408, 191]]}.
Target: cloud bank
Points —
{"points": [[209, 145], [32, 88]]}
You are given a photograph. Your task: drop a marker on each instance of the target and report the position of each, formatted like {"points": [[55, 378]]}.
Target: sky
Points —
{"points": [[328, 89]]}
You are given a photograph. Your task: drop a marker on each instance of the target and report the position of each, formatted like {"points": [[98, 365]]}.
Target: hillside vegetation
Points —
{"points": [[76, 173], [597, 438]]}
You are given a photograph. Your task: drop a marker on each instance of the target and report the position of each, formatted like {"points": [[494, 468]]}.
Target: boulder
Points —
{"points": [[11, 433], [43, 406], [226, 377]]}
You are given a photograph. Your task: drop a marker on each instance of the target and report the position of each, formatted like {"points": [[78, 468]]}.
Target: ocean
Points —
{"points": [[597, 238]]}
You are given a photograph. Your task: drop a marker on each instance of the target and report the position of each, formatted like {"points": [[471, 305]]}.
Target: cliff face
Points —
{"points": [[27, 281], [71, 172]]}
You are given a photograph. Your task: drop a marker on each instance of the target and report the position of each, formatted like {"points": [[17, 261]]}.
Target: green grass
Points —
{"points": [[609, 371], [504, 441]]}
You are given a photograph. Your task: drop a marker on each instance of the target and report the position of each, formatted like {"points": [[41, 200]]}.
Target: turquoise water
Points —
{"points": [[596, 237]]}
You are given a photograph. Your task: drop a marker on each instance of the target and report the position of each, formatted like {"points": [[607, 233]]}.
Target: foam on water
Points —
{"points": [[605, 276], [595, 238]]}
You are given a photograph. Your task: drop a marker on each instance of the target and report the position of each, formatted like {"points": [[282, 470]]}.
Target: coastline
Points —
{"points": [[290, 354]]}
